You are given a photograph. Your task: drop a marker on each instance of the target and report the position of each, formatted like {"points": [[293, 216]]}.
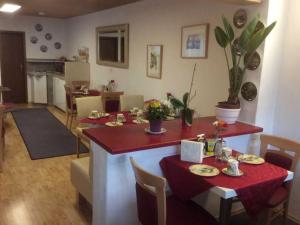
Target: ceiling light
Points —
{"points": [[9, 8]]}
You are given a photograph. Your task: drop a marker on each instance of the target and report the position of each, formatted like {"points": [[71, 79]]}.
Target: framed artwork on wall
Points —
{"points": [[194, 41], [154, 61]]}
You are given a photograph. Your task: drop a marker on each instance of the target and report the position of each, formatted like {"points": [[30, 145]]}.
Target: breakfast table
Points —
{"points": [[250, 187], [113, 178]]}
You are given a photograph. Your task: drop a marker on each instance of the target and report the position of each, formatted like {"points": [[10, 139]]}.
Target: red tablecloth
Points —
{"points": [[102, 121], [254, 188]]}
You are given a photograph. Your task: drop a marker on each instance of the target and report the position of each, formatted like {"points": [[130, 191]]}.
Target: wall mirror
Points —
{"points": [[113, 45]]}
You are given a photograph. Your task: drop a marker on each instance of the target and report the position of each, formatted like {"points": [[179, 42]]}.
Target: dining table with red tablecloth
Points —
{"points": [[254, 188]]}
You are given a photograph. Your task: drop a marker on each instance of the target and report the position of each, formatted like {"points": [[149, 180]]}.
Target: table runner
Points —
{"points": [[102, 121], [254, 188]]}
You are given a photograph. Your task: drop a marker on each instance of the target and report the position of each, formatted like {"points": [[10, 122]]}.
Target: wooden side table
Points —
{"points": [[111, 100]]}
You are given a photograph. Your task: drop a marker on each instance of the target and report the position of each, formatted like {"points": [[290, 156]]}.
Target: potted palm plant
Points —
{"points": [[235, 49]]}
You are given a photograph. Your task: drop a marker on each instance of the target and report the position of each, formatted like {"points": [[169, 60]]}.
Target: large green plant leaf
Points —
{"points": [[259, 37], [228, 29], [188, 116], [247, 33], [221, 37], [177, 104], [185, 99]]}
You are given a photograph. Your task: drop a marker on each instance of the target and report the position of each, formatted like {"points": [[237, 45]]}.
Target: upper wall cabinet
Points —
{"points": [[113, 45], [242, 2]]}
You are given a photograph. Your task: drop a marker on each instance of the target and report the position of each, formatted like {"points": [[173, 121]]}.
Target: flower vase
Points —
{"points": [[155, 125]]}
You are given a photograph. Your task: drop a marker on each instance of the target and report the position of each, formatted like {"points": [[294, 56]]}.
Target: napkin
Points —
{"points": [[191, 151]]}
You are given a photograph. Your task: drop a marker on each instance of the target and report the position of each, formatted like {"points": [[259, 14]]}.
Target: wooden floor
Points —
{"points": [[37, 192]]}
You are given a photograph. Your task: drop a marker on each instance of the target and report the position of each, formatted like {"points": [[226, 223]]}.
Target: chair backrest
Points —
{"points": [[87, 104], [69, 97], [151, 196], [77, 84], [127, 102], [286, 154]]}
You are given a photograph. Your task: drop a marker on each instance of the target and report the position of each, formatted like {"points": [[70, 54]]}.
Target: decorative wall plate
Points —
{"points": [[44, 48], [236, 46], [57, 45], [252, 61], [34, 39], [48, 36], [38, 27], [240, 18], [249, 91]]}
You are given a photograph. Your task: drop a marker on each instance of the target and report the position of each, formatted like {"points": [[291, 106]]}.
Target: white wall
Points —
{"points": [[26, 23], [286, 118], [160, 22]]}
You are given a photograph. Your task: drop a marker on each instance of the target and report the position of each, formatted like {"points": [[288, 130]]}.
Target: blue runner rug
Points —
{"points": [[44, 135]]}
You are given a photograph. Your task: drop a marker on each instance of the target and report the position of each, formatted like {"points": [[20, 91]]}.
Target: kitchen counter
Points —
{"points": [[128, 138]]}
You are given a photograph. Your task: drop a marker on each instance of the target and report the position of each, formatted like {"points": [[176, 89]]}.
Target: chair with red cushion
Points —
{"points": [[71, 109], [154, 208], [286, 155]]}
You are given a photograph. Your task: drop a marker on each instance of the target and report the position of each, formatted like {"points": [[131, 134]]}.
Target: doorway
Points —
{"points": [[13, 66]]}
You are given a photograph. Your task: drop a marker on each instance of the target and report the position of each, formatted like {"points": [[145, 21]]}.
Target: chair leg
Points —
{"points": [[78, 146], [71, 121], [67, 122], [1, 158], [285, 212], [269, 217]]}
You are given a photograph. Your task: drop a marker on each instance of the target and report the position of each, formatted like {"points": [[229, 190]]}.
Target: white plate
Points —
{"points": [[204, 170], [251, 159], [114, 124], [140, 121], [98, 117], [229, 173], [163, 130]]}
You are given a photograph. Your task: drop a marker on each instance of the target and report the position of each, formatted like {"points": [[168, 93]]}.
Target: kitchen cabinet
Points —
{"points": [[37, 88], [59, 95]]}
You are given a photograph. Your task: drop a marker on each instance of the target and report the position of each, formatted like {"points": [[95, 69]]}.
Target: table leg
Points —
{"points": [[225, 211]]}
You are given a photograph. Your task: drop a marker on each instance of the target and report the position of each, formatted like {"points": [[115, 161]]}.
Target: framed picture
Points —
{"points": [[194, 41], [154, 61]]}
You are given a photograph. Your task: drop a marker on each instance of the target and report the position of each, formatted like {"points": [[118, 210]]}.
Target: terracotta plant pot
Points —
{"points": [[230, 116], [155, 125]]}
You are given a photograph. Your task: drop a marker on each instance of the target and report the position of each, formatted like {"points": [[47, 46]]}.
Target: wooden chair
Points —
{"points": [[71, 109], [286, 154], [154, 208], [2, 143], [78, 84], [84, 107], [127, 102]]}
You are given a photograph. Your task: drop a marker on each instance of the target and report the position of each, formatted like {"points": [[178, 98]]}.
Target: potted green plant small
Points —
{"points": [[184, 106], [155, 113], [235, 49], [185, 112]]}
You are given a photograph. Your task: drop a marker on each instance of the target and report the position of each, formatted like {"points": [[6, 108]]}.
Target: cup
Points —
{"points": [[120, 118], [210, 146], [227, 152], [94, 113], [233, 166]]}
